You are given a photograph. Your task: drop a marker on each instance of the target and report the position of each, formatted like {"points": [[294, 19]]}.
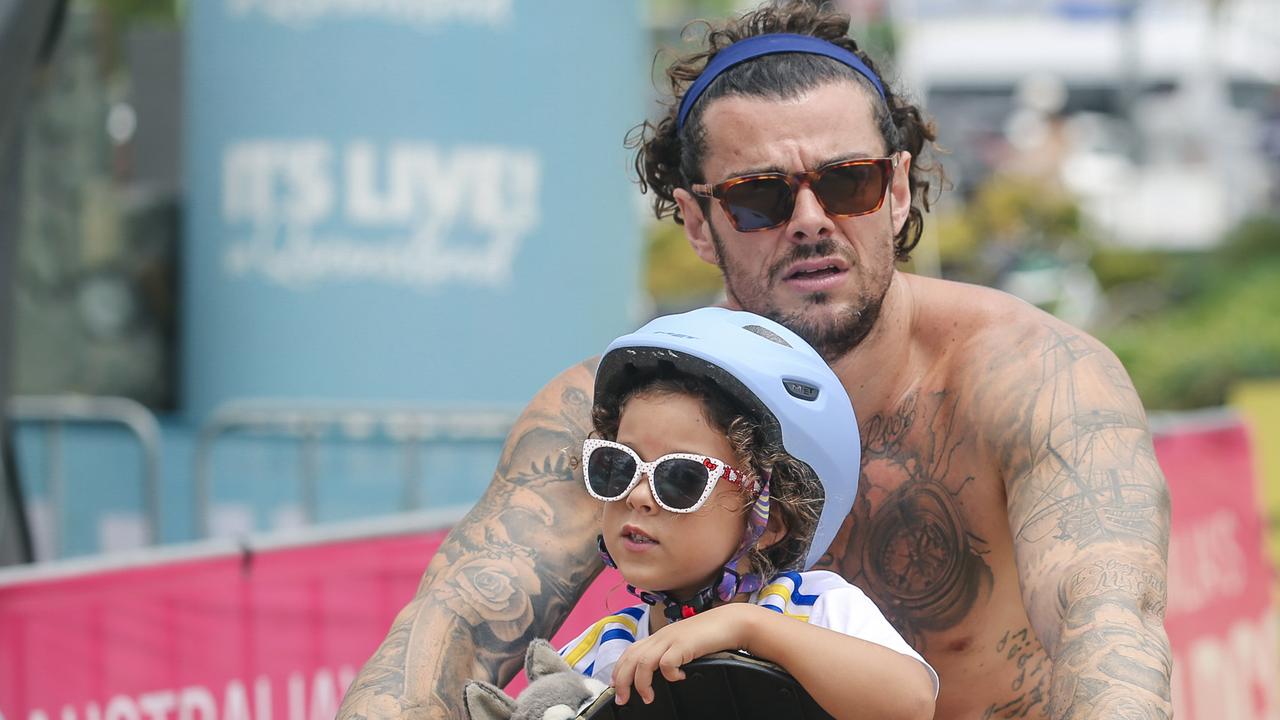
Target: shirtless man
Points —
{"points": [[1011, 519]]}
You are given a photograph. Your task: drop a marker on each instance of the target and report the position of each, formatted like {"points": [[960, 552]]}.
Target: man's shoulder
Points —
{"points": [[973, 324], [570, 390], [1006, 358], [950, 301], [1013, 367]]}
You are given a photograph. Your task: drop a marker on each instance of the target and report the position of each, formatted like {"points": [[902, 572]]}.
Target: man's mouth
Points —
{"points": [[815, 273]]}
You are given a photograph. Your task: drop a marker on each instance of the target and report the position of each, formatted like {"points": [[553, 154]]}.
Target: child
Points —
{"points": [[725, 453]]}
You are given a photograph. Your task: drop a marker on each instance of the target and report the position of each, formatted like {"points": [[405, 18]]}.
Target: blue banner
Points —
{"points": [[418, 200]]}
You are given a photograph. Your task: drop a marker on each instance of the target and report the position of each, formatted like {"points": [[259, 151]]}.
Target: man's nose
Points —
{"points": [[809, 220]]}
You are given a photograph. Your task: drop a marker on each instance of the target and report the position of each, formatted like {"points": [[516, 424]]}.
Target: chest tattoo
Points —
{"points": [[907, 542]]}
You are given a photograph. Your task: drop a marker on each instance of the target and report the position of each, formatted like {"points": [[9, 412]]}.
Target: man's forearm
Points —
{"points": [[390, 683], [509, 572], [472, 619], [484, 608], [1112, 659]]}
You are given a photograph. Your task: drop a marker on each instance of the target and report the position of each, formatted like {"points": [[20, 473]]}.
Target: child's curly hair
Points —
{"points": [[795, 494]]}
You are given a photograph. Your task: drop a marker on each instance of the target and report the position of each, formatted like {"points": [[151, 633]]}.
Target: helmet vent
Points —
{"points": [[767, 334]]}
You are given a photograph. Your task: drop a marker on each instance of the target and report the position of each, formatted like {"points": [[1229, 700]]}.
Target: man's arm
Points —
{"points": [[509, 572], [1089, 512]]}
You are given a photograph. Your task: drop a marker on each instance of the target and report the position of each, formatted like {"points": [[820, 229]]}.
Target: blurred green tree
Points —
{"points": [[1218, 323], [154, 10]]}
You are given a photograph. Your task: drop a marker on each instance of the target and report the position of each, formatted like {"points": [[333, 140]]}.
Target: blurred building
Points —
{"points": [[1153, 113]]}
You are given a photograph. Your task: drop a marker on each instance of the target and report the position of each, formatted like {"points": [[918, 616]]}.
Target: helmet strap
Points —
{"points": [[675, 609], [604, 552]]}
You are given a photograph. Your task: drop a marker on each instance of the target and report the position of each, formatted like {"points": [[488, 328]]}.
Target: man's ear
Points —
{"points": [[900, 191], [697, 226]]}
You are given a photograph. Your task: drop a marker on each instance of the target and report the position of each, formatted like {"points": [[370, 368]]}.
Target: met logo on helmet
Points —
{"points": [[802, 391]]}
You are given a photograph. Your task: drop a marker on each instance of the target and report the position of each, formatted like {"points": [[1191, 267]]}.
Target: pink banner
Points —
{"points": [[273, 634], [1220, 620]]}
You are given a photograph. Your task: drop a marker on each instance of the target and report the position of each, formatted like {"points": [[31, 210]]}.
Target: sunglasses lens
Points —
{"points": [[680, 482], [609, 471], [851, 189], [759, 203]]}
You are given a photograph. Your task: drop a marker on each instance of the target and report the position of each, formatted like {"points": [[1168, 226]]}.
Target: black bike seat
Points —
{"points": [[729, 685]]}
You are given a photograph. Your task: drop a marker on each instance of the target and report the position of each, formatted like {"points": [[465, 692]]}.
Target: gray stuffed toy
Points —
{"points": [[555, 691]]}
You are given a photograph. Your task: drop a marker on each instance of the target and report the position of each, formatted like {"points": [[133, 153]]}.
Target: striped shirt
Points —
{"points": [[817, 597]]}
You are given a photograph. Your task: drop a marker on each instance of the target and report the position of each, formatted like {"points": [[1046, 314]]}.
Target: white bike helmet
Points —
{"points": [[795, 395]]}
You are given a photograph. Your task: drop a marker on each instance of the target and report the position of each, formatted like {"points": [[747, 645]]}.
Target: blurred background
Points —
{"points": [[272, 268]]}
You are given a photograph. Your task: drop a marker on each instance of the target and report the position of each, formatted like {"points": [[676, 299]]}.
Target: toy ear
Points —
{"points": [[542, 659], [487, 702]]}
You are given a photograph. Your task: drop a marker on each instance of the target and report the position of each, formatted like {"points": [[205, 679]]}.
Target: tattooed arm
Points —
{"points": [[509, 572], [1089, 512]]}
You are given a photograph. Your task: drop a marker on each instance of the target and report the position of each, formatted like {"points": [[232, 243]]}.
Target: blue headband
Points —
{"points": [[754, 47]]}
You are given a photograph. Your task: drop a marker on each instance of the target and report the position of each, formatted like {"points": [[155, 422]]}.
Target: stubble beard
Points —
{"points": [[833, 336]]}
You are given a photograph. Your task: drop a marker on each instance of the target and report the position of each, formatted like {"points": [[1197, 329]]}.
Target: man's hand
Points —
{"points": [[678, 644]]}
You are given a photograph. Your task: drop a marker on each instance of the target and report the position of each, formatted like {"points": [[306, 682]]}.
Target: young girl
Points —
{"points": [[726, 453]]}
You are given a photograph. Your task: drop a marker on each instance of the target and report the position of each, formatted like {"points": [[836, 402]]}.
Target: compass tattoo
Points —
{"points": [[914, 552]]}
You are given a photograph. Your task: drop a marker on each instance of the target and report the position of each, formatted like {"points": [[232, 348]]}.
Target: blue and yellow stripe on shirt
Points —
{"points": [[618, 627], [783, 596]]}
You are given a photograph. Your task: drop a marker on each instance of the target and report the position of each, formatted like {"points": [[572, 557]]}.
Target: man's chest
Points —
{"points": [[928, 514], [929, 541]]}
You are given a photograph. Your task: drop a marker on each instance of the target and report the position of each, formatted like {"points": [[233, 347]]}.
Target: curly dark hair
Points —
{"points": [[668, 158], [795, 494]]}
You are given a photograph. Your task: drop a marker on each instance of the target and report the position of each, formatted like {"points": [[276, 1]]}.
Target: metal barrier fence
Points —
{"points": [[412, 428], [56, 412]]}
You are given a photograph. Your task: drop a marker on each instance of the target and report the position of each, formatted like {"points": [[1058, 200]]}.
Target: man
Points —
{"points": [[1011, 519]]}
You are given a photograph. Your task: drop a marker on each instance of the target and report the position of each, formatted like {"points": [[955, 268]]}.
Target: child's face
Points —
{"points": [[660, 550]]}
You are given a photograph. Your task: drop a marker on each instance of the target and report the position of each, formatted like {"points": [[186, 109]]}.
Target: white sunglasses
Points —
{"points": [[679, 482]]}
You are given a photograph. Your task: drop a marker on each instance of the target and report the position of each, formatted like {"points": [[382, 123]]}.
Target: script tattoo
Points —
{"points": [[1031, 678], [913, 551], [508, 572], [1107, 575]]}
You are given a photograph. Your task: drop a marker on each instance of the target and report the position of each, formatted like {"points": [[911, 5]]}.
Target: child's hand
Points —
{"points": [[721, 628]]}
